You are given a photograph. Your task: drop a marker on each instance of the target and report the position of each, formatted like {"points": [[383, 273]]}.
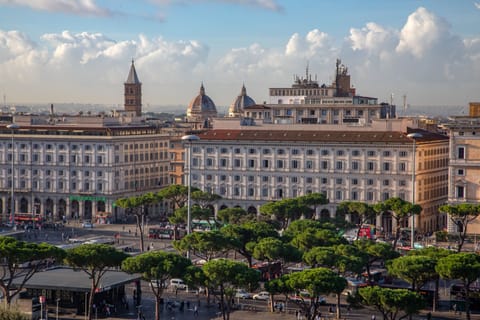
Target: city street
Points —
{"points": [[245, 309]]}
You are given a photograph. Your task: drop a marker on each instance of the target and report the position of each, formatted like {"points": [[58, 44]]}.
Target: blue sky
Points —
{"points": [[57, 51]]}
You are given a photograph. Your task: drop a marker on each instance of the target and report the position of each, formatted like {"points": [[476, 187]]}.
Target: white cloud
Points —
{"points": [[82, 7], [477, 5], [423, 59], [421, 32], [272, 5]]}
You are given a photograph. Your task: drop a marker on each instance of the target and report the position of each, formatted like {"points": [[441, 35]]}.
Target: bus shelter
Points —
{"points": [[69, 288]]}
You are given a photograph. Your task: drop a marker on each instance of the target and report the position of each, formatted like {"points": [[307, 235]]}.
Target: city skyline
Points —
{"points": [[55, 51]]}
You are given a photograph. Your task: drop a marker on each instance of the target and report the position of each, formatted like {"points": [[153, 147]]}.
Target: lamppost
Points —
{"points": [[413, 136], [13, 127], [189, 139]]}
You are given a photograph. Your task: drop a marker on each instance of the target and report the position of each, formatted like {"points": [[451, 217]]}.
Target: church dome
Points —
{"points": [[242, 101], [201, 106]]}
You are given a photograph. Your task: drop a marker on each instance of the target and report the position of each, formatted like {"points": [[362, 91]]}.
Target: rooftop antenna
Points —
{"points": [[404, 103], [5, 101], [391, 99]]}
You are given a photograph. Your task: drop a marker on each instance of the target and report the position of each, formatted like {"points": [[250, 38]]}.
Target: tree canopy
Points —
{"points": [[95, 260], [157, 267], [21, 260], [461, 215]]}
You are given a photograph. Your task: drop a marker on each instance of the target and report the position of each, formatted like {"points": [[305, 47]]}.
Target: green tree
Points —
{"points": [[436, 254], [463, 266], [227, 275], [273, 249], [392, 303], [205, 199], [363, 212], [157, 268], [317, 282], [285, 211], [313, 200], [177, 194], [138, 206], [14, 254], [400, 210], [461, 215], [375, 252], [416, 270], [244, 237], [204, 245], [234, 216], [311, 238], [95, 260]]}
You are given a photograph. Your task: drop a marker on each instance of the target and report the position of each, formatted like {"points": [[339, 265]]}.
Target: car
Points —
{"points": [[242, 294], [156, 283], [263, 295], [177, 284], [87, 224]]}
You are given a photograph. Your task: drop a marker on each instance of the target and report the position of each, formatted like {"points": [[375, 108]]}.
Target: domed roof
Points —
{"points": [[242, 101], [201, 106]]}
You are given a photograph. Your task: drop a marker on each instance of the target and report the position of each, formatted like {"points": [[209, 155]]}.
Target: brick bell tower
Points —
{"points": [[133, 93]]}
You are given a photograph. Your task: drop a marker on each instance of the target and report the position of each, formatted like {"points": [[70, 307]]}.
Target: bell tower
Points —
{"points": [[133, 93]]}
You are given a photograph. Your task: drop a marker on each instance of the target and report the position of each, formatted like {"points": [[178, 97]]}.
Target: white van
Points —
{"points": [[177, 284]]}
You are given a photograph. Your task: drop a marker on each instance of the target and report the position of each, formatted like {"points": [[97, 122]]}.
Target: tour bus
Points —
{"points": [[166, 233]]}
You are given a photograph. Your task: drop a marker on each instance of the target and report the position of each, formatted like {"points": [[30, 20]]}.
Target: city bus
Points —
{"points": [[166, 233], [28, 219]]}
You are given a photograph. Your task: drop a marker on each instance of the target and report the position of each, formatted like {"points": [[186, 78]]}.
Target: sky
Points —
{"points": [[80, 51]]}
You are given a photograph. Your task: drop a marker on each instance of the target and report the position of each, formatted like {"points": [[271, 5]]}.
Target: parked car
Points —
{"points": [[177, 284], [242, 294], [87, 224], [156, 283], [263, 295]]}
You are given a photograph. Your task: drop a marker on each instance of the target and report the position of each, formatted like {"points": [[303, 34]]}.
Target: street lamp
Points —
{"points": [[13, 127], [413, 136], [189, 139]]}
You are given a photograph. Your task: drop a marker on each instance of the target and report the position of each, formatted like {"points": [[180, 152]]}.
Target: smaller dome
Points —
{"points": [[241, 102], [201, 107]]}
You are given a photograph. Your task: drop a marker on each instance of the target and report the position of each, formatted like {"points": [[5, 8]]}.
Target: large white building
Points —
{"points": [[77, 166]]}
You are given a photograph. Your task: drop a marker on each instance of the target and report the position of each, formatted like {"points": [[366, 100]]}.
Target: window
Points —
{"points": [[223, 162], [370, 182], [237, 151], [252, 151], [279, 164], [280, 179], [354, 181], [295, 151], [402, 154], [386, 153], [354, 195], [48, 158], [236, 178], [295, 164], [355, 153], [338, 195], [324, 180], [460, 172], [265, 178], [339, 181], [340, 153], [294, 179], [460, 192], [386, 166], [310, 152], [339, 165], [355, 165], [309, 164], [402, 183], [251, 192], [210, 150], [369, 196], [280, 151], [461, 153], [371, 153], [209, 162], [370, 166], [309, 180], [324, 152], [237, 163], [324, 165], [223, 150], [402, 166], [265, 192], [385, 196], [266, 151], [251, 163], [386, 182], [87, 159], [61, 158]]}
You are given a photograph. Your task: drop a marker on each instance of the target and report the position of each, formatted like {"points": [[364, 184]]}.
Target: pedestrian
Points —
{"points": [[454, 307], [195, 310], [373, 317]]}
